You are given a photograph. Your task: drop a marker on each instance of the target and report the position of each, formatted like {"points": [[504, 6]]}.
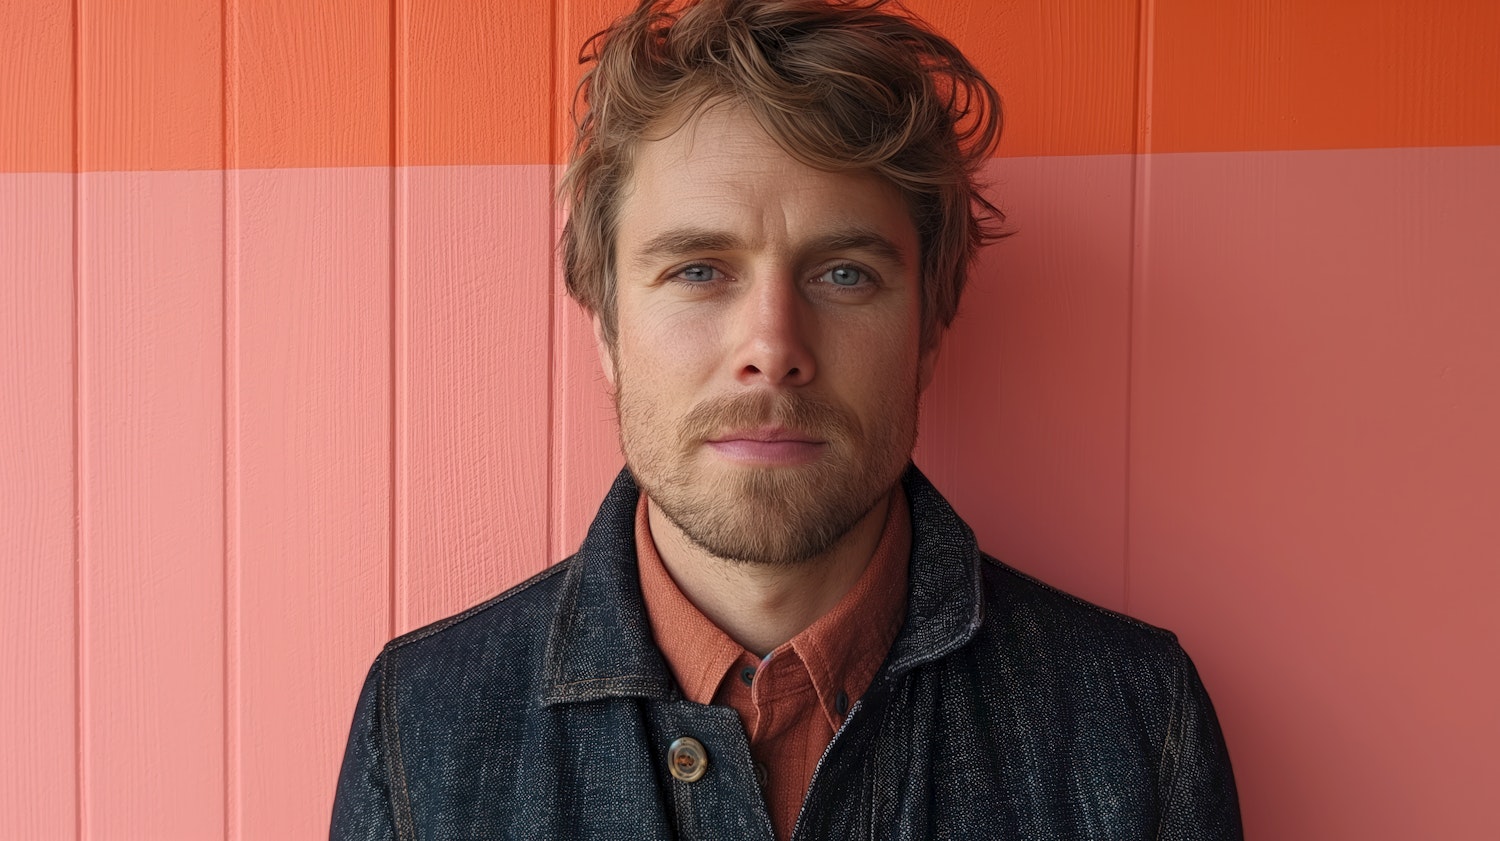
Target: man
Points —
{"points": [[776, 627]]}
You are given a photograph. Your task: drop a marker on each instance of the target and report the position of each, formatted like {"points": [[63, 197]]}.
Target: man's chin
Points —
{"points": [[782, 515]]}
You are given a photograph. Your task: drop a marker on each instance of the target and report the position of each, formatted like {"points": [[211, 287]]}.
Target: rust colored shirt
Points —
{"points": [[794, 700]]}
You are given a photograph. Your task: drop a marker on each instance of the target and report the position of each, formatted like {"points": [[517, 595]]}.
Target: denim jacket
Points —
{"points": [[1005, 709]]}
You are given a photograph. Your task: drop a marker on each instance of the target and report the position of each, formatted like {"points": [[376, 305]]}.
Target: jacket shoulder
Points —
{"points": [[499, 641], [1019, 597], [1079, 649]]}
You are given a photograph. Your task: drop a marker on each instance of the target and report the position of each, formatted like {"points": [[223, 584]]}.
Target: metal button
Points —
{"points": [[747, 675], [687, 759]]}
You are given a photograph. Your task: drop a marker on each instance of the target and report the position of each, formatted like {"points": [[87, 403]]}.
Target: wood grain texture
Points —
{"points": [[36, 86], [151, 467], [1313, 465], [38, 698], [586, 438], [1255, 75], [473, 293], [312, 81], [150, 78], [309, 478], [308, 397], [151, 419], [1023, 428], [477, 79], [1066, 70], [586, 450], [472, 412]]}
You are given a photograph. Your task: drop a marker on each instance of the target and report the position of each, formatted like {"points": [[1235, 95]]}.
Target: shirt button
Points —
{"points": [[747, 675], [841, 703], [687, 759], [760, 774]]}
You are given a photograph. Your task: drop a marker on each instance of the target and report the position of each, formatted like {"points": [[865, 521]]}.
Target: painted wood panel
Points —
{"points": [[473, 301], [36, 86], [38, 620], [1313, 465], [475, 81], [307, 394], [151, 476], [1257, 75], [151, 419], [309, 477], [38, 617], [1024, 427], [586, 453], [473, 357], [1066, 69]]}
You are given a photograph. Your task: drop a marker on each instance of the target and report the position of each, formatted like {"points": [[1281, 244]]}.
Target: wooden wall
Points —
{"points": [[287, 371]]}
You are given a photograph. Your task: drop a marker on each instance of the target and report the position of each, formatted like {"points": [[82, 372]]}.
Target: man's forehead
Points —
{"points": [[719, 163]]}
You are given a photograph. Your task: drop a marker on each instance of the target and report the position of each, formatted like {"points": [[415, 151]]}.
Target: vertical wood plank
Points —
{"points": [[1313, 476], [308, 398], [1252, 75], [36, 86], [1024, 427], [1066, 68], [38, 700], [150, 415], [38, 617], [473, 271], [585, 435]]}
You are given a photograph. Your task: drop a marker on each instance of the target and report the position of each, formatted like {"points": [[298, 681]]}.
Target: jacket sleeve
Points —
{"points": [[1200, 802], [362, 804]]}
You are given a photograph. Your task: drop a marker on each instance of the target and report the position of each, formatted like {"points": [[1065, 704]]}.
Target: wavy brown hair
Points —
{"points": [[839, 84]]}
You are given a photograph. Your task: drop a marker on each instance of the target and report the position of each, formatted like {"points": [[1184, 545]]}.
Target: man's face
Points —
{"points": [[767, 362]]}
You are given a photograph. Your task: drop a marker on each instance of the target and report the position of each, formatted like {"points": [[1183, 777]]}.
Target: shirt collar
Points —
{"points": [[842, 650], [600, 645]]}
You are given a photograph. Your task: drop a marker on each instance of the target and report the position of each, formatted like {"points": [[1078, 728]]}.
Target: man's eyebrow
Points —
{"points": [[683, 242], [858, 239]]}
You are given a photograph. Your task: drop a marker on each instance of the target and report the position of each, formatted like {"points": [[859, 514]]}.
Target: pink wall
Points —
{"points": [[292, 373]]}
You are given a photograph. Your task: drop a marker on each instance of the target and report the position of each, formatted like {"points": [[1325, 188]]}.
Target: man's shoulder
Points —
{"points": [[1032, 599], [502, 637], [1043, 626]]}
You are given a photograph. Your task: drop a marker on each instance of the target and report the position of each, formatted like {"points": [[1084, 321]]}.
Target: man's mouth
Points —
{"points": [[767, 446]]}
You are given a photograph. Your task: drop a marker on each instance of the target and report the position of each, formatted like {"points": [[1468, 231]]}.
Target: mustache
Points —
{"points": [[800, 412]]}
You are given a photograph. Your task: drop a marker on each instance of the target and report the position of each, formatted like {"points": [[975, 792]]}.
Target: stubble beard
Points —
{"points": [[781, 515]]}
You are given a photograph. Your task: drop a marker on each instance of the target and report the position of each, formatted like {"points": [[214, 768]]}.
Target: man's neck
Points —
{"points": [[761, 606]]}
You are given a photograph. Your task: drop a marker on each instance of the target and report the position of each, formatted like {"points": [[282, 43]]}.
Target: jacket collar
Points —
{"points": [[600, 646]]}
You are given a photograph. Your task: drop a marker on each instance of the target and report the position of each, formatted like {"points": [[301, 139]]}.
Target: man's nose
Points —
{"points": [[774, 324]]}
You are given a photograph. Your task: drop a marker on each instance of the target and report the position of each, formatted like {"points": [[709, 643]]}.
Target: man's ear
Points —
{"points": [[927, 364], [606, 356]]}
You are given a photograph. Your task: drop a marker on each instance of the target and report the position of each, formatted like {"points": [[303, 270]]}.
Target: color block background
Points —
{"points": [[289, 371]]}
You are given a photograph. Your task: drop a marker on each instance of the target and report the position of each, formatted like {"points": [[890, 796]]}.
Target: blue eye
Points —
{"points": [[698, 274], [845, 276]]}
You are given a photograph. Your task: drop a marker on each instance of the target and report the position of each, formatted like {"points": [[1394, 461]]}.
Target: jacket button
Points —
{"points": [[687, 759]]}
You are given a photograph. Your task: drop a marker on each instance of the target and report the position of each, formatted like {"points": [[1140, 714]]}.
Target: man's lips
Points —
{"points": [[767, 435], [767, 446]]}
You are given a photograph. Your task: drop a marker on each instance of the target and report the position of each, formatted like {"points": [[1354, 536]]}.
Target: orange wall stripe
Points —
{"points": [[1066, 69], [477, 82], [1249, 75], [309, 84], [150, 86], [36, 85]]}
